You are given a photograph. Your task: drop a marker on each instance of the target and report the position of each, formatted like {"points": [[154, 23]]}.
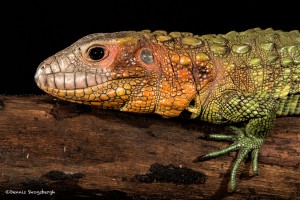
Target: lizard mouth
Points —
{"points": [[92, 89], [98, 95], [72, 80]]}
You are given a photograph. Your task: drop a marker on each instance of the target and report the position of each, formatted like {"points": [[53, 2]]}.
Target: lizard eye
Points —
{"points": [[96, 53]]}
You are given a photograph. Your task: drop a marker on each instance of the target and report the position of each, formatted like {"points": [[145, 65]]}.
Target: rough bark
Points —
{"points": [[74, 150]]}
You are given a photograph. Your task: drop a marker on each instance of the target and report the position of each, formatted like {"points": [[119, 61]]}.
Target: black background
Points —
{"points": [[34, 30]]}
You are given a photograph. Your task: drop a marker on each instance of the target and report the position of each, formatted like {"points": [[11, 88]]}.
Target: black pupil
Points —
{"points": [[96, 53]]}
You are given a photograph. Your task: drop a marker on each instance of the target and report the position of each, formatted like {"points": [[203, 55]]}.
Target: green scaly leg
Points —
{"points": [[245, 140]]}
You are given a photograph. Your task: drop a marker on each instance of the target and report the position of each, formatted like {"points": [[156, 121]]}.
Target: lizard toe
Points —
{"points": [[244, 144]]}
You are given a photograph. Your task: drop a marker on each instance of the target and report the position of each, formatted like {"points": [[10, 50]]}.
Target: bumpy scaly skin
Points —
{"points": [[249, 77]]}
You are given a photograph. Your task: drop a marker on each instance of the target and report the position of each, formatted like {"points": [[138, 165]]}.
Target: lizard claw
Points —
{"points": [[200, 159], [244, 144]]}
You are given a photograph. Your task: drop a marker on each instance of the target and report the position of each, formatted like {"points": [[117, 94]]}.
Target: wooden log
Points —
{"points": [[52, 148]]}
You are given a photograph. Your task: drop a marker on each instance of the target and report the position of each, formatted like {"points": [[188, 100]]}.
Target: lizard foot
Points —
{"points": [[243, 143]]}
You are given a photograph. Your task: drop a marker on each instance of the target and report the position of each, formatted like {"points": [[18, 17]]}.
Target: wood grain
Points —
{"points": [[78, 151]]}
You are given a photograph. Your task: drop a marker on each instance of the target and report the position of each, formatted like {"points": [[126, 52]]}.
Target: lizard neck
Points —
{"points": [[186, 71], [185, 75]]}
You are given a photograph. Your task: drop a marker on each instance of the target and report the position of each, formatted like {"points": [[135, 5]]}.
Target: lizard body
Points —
{"points": [[251, 76]]}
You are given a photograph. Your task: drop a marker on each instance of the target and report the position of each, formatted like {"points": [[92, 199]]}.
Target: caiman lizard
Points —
{"points": [[248, 77]]}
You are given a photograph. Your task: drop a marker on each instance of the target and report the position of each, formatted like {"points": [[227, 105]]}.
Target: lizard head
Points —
{"points": [[122, 71]]}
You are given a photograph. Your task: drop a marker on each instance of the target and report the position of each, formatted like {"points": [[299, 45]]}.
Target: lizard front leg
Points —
{"points": [[259, 113]]}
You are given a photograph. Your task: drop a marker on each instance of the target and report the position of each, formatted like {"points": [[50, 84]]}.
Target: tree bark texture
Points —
{"points": [[78, 151]]}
